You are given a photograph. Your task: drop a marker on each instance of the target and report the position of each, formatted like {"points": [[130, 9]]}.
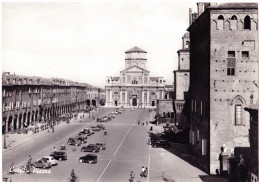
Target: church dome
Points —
{"points": [[135, 49]]}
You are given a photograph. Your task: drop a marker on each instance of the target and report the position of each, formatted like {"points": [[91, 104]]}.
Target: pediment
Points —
{"points": [[134, 69]]}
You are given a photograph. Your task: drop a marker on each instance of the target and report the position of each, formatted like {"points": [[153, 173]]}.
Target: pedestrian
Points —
{"points": [[139, 122], [241, 169], [54, 149], [83, 115], [220, 158], [142, 172], [132, 176], [146, 172], [151, 129], [149, 141], [143, 123]]}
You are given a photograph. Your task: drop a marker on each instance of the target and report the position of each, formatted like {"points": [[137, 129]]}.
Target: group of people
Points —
{"points": [[144, 173]]}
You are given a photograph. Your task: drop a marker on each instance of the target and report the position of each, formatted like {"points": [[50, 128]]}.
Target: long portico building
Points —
{"points": [[134, 87]]}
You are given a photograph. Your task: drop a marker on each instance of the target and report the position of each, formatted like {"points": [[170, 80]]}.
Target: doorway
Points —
{"points": [[134, 102]]}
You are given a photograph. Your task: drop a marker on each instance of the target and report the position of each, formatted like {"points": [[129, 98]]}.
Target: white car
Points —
{"points": [[51, 160], [133, 109]]}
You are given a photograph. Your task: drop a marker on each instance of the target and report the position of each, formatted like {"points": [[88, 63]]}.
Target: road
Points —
{"points": [[127, 150]]}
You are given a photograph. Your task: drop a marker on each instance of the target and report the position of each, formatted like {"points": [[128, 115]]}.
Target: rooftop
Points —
{"points": [[135, 49]]}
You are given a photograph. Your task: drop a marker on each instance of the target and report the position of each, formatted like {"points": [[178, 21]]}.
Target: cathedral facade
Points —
{"points": [[134, 87]]}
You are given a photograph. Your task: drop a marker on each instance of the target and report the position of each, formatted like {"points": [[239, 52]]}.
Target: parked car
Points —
{"points": [[156, 136], [111, 115], [101, 126], [94, 128], [42, 163], [90, 148], [89, 158], [60, 155], [87, 131], [119, 112], [101, 146], [83, 135], [82, 139], [74, 141], [132, 109], [51, 160], [160, 143]]}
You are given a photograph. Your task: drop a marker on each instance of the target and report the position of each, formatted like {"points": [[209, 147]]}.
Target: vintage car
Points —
{"points": [[89, 158]]}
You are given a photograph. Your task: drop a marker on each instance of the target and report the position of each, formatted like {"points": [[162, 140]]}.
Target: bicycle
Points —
{"points": [[75, 179]]}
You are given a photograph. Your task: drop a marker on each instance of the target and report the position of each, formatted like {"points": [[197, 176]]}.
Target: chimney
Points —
{"points": [[190, 16], [200, 8]]}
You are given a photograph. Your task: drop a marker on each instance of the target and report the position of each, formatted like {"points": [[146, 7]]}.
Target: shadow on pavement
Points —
{"points": [[214, 178]]}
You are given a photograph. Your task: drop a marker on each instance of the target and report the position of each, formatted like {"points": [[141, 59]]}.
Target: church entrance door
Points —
{"points": [[134, 102]]}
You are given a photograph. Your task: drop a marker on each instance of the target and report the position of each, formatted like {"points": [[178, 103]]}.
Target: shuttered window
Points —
{"points": [[231, 64]]}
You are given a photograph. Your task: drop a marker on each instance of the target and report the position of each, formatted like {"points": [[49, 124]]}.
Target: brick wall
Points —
{"points": [[224, 89]]}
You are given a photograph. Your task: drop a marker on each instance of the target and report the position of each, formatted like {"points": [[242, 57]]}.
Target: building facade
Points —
{"points": [[27, 101], [223, 76], [182, 83], [134, 87]]}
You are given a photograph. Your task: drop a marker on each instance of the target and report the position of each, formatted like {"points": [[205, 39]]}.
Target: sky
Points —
{"points": [[86, 41]]}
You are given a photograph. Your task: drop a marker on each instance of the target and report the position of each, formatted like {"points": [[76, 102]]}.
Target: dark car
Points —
{"points": [[101, 126], [89, 158], [82, 139], [60, 155], [157, 136], [90, 148], [74, 141], [93, 128], [83, 135], [160, 143], [88, 132], [101, 146]]}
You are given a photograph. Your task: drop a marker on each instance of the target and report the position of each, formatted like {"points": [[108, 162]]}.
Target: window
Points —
{"points": [[193, 138], [220, 17], [198, 135], [134, 82], [194, 105], [231, 63], [238, 114], [220, 23], [234, 18], [245, 54], [233, 23], [201, 107], [231, 54], [187, 44], [204, 147], [247, 23]]}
